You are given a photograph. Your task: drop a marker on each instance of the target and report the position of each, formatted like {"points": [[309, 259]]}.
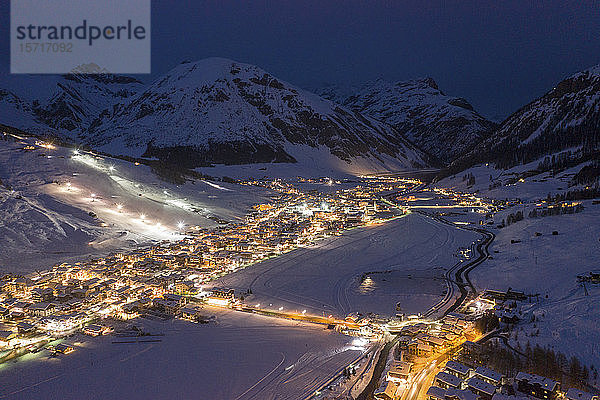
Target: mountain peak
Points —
{"points": [[217, 110], [214, 70], [592, 71], [429, 82], [443, 126]]}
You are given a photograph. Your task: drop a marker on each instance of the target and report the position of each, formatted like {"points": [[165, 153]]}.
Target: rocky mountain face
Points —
{"points": [[221, 111], [17, 112], [561, 129], [444, 126], [214, 111], [76, 100], [79, 99]]}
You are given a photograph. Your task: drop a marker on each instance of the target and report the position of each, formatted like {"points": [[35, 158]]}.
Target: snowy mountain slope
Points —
{"points": [[512, 183], [444, 126], [17, 112], [213, 111], [528, 257], [566, 119], [79, 99], [47, 195], [220, 111], [566, 317]]}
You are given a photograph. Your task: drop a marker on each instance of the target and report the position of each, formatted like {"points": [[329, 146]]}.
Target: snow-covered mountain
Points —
{"points": [[79, 99], [17, 112], [76, 100], [559, 130], [444, 126], [220, 111], [214, 111]]}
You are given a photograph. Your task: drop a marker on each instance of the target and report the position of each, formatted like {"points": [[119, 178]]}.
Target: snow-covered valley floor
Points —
{"points": [[538, 262], [248, 356], [240, 356], [404, 260]]}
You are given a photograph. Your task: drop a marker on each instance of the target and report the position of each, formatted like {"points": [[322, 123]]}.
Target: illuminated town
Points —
{"points": [[299, 200], [436, 354]]}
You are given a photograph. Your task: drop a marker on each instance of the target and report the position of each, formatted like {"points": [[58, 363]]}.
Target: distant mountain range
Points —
{"points": [[214, 111], [218, 111], [79, 99], [76, 100], [443, 126]]}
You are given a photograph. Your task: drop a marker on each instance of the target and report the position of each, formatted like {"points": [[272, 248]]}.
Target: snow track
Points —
{"points": [[404, 258]]}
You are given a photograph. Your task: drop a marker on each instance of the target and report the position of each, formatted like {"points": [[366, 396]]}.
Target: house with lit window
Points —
{"points": [[484, 390], [6, 337], [436, 393], [457, 369], [537, 386], [418, 349], [220, 297], [490, 376], [41, 309], [25, 328], [447, 381], [400, 371]]}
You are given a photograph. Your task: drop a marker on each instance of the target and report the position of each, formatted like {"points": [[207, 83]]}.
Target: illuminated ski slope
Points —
{"points": [[58, 204]]}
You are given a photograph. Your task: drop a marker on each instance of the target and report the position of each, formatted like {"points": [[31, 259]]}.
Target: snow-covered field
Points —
{"points": [[311, 162], [44, 216], [404, 258], [509, 187], [567, 319], [241, 356]]}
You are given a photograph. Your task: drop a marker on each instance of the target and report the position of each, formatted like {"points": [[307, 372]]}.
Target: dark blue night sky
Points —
{"points": [[498, 55]]}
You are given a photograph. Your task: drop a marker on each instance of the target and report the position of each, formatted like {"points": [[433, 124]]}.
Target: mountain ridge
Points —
{"points": [[217, 111], [559, 129], [441, 125]]}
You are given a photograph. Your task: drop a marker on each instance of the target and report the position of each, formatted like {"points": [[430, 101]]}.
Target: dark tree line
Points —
{"points": [[578, 194], [571, 372], [469, 178], [512, 218], [556, 211], [588, 174], [510, 151], [487, 323], [558, 162]]}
